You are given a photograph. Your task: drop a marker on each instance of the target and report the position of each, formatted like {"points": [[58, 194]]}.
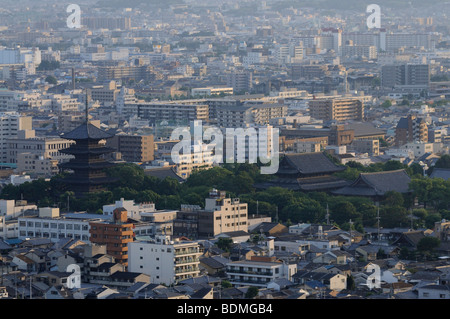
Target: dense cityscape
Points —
{"points": [[224, 150]]}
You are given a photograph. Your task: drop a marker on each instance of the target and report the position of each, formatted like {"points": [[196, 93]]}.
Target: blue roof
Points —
{"points": [[13, 241]]}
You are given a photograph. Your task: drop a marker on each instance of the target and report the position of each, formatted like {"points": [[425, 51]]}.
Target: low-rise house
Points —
{"points": [[58, 292], [396, 287], [331, 281], [25, 263], [338, 257], [121, 280], [434, 291], [214, 265], [54, 278]]}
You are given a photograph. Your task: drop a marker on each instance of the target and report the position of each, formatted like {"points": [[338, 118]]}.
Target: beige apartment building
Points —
{"points": [[133, 148], [339, 109], [36, 165], [371, 147], [45, 147], [221, 215], [105, 94], [171, 112]]}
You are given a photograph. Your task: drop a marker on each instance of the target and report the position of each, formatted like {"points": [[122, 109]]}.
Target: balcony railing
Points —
{"points": [[246, 272], [188, 261], [187, 252]]}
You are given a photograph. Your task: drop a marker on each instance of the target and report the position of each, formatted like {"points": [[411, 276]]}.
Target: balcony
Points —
{"points": [[249, 282], [186, 261], [247, 272], [186, 270], [187, 252]]}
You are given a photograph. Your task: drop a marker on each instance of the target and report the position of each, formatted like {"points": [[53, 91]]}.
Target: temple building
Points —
{"points": [[88, 165], [376, 185], [306, 172]]}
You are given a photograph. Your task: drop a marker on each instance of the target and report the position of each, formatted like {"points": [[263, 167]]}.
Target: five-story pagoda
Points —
{"points": [[88, 165]]}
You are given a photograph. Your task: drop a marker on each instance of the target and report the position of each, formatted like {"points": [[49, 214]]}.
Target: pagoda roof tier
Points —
{"points": [[86, 165], [86, 131], [86, 181], [76, 150]]}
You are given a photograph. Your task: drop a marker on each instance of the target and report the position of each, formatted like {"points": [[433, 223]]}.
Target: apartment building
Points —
{"points": [[133, 147], [259, 271], [336, 134], [250, 114], [210, 91], [371, 147], [134, 210], [68, 121], [411, 129], [49, 223], [115, 234], [105, 94], [339, 109], [221, 215], [166, 261], [240, 81], [200, 157], [170, 112], [404, 76], [43, 147], [36, 165], [10, 210], [127, 72], [10, 125]]}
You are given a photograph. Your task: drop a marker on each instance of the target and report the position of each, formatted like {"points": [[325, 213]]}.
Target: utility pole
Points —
{"points": [[328, 216]]}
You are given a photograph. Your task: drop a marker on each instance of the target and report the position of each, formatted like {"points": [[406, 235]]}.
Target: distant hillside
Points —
{"points": [[138, 3], [354, 4]]}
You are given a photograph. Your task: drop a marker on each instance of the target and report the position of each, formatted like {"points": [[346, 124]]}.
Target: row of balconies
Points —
{"points": [[248, 272]]}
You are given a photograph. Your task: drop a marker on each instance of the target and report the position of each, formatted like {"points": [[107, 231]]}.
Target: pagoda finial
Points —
{"points": [[87, 108]]}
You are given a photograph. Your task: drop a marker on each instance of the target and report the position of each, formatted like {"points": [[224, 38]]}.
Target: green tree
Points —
{"points": [[51, 80], [386, 104], [428, 244], [224, 243], [226, 284]]}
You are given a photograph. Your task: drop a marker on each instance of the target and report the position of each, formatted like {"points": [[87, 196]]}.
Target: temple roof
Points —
{"points": [[86, 131], [377, 184], [309, 164], [305, 184]]}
